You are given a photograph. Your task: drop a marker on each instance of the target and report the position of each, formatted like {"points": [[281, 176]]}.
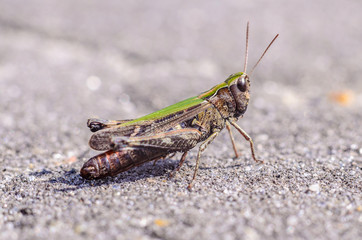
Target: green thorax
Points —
{"points": [[215, 89]]}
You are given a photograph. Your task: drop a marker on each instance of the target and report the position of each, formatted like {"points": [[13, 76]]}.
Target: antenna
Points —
{"points": [[263, 54], [246, 47]]}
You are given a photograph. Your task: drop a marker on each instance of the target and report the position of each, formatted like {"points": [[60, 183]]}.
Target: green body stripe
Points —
{"points": [[212, 91], [167, 110], [185, 103]]}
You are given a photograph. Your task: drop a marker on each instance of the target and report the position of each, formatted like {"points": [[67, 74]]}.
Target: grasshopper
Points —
{"points": [[177, 128]]}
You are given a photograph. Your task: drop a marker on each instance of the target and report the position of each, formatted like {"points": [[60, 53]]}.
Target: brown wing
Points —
{"points": [[102, 140], [174, 140]]}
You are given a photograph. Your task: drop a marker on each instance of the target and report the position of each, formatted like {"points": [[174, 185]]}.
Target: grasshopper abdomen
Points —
{"points": [[112, 162]]}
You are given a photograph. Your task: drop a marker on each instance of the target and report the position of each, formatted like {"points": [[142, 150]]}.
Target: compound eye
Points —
{"points": [[241, 84]]}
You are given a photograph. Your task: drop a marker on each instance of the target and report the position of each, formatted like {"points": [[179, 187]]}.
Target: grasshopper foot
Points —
{"points": [[172, 174], [258, 161], [189, 187], [237, 155]]}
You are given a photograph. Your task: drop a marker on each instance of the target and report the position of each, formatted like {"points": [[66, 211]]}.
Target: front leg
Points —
{"points": [[232, 139], [247, 138]]}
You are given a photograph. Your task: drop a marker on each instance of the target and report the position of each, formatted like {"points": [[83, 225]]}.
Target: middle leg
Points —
{"points": [[201, 149]]}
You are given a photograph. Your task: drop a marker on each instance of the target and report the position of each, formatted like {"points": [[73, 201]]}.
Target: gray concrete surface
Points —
{"points": [[62, 62]]}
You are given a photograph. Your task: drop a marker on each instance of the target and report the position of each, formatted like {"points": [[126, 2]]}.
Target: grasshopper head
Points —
{"points": [[239, 85]]}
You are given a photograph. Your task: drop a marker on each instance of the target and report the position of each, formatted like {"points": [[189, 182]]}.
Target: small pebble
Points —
{"points": [[314, 187]]}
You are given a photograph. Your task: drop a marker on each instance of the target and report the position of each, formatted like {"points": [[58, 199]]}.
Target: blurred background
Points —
{"points": [[62, 62], [66, 61]]}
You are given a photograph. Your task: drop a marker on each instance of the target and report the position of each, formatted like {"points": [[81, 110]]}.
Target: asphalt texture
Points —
{"points": [[62, 62]]}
